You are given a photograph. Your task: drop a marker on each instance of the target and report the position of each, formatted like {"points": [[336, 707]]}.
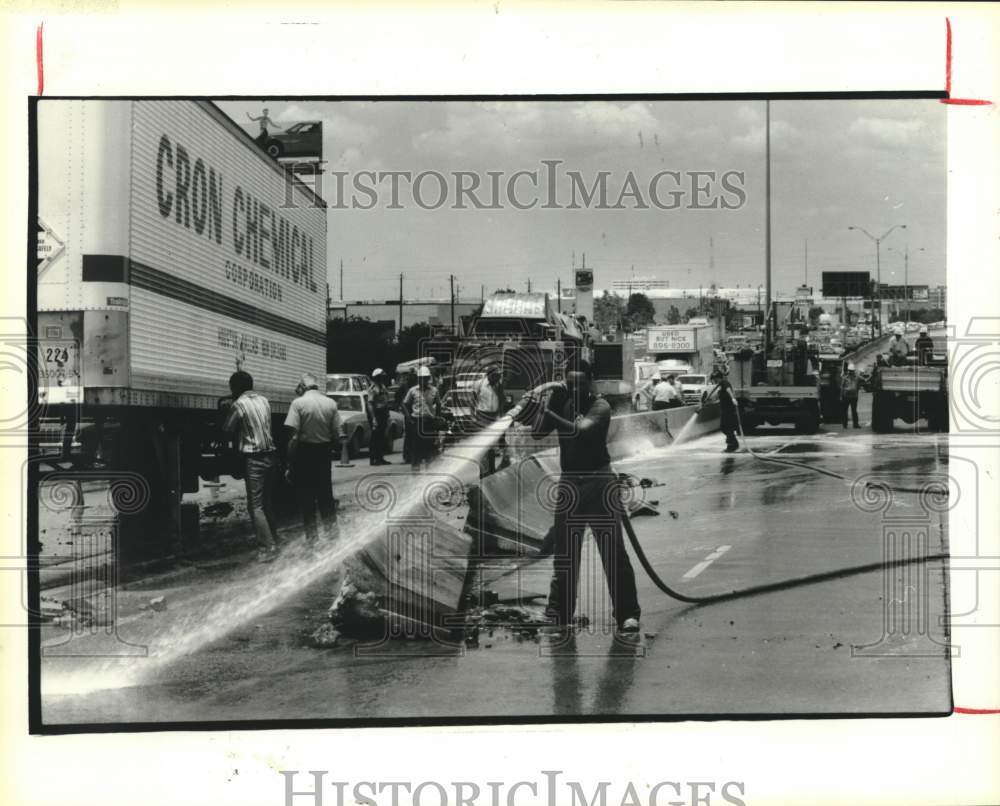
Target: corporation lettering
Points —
{"points": [[190, 194]]}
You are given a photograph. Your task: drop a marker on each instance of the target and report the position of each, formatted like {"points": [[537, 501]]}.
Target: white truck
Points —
{"points": [[681, 349], [176, 253]]}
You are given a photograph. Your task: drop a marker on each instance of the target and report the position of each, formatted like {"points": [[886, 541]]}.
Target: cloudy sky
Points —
{"points": [[871, 164]]}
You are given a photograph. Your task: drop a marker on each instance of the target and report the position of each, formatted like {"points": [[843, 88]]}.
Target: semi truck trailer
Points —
{"points": [[177, 253]]}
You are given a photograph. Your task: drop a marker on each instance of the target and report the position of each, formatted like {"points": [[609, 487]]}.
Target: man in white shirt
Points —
{"points": [[665, 395], [489, 405], [315, 424]]}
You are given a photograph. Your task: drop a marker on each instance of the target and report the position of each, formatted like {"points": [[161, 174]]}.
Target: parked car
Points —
{"points": [[347, 382], [354, 407], [692, 388]]}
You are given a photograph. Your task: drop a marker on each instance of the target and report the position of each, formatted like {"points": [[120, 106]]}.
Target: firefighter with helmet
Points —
{"points": [[423, 407], [899, 349], [924, 346]]}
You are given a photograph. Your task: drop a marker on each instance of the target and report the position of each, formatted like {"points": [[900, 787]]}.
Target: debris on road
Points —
{"points": [[325, 637]]}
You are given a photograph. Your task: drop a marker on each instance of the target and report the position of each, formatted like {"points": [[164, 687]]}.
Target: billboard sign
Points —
{"points": [[518, 306], [671, 340], [846, 284], [584, 280]]}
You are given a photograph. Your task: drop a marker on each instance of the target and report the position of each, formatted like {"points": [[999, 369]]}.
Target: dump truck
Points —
{"points": [[911, 392], [182, 253], [777, 390]]}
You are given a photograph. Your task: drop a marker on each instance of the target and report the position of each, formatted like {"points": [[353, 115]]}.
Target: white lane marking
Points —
{"points": [[706, 562]]}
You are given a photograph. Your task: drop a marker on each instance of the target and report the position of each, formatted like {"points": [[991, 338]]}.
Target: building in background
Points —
{"points": [[435, 312]]}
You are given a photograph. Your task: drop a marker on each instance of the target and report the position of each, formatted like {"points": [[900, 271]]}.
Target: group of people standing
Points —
{"points": [[315, 437], [661, 392]]}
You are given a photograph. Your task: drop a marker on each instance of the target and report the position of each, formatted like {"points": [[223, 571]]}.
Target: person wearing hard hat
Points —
{"points": [[378, 399], [423, 405], [489, 404], [924, 346], [899, 349], [849, 383]]}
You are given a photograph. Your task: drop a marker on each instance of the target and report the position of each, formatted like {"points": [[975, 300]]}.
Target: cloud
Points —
{"points": [[522, 126], [889, 132], [783, 135]]}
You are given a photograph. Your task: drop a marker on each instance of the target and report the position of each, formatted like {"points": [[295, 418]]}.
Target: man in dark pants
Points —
{"points": [[581, 420], [248, 416], [408, 381], [489, 403], [728, 420], [849, 384], [315, 424], [423, 406], [378, 398]]}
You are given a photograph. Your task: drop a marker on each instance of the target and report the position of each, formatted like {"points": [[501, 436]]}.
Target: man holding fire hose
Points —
{"points": [[592, 492]]}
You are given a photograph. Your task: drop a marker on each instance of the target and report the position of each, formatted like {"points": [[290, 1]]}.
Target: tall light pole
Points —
{"points": [[878, 264], [767, 226], [906, 274]]}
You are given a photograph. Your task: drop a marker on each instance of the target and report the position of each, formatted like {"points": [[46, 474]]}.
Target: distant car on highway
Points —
{"points": [[912, 327], [354, 406]]}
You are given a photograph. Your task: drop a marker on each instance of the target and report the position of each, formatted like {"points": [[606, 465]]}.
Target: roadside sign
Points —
{"points": [[671, 340], [50, 245]]}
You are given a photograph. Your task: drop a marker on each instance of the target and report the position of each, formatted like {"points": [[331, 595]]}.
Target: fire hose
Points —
{"points": [[785, 584]]}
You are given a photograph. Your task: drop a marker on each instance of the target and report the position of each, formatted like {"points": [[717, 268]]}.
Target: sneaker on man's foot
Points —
{"points": [[267, 555], [630, 625]]}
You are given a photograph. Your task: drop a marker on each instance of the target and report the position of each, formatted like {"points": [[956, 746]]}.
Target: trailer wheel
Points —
{"points": [[881, 413], [274, 149]]}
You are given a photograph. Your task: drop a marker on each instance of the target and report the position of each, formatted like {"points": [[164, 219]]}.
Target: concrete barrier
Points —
{"points": [[632, 433]]}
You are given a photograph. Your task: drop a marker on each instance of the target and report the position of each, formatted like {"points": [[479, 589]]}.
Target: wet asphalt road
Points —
{"points": [[233, 642]]}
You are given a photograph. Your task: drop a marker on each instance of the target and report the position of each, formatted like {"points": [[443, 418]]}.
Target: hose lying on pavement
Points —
{"points": [[771, 587], [755, 590], [824, 471]]}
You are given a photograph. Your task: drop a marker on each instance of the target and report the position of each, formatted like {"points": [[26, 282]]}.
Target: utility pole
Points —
{"points": [[805, 276], [558, 295], [401, 302], [482, 294], [451, 280], [767, 225], [529, 285]]}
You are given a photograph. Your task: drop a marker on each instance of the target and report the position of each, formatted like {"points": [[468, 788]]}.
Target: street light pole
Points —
{"points": [[878, 263]]}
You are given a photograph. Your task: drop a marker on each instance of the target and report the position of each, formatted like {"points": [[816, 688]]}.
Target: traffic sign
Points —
{"points": [[50, 245]]}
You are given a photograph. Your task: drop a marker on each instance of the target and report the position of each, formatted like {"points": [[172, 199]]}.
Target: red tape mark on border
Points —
{"points": [[38, 58], [958, 710], [947, 75]]}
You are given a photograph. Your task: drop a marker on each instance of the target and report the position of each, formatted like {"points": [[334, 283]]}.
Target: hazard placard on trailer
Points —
{"points": [[50, 245]]}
